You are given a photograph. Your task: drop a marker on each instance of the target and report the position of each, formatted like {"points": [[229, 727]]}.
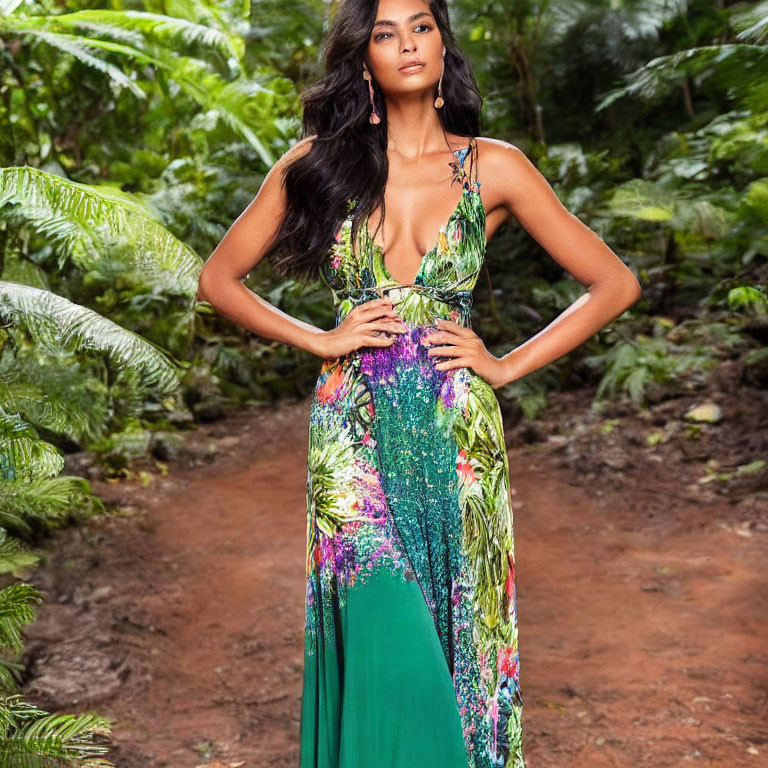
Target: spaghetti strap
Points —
{"points": [[473, 162]]}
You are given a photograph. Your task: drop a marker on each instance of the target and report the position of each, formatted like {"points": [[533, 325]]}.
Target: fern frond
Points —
{"points": [[31, 737], [741, 69], [14, 555], [54, 320], [10, 674], [136, 28], [22, 453], [47, 500], [167, 31], [79, 49], [220, 15], [72, 215], [752, 22], [242, 104], [16, 609], [36, 404]]}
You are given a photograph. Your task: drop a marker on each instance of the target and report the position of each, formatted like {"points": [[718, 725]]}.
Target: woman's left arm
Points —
{"points": [[516, 184]]}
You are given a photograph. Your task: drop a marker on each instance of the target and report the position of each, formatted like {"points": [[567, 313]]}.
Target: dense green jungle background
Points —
{"points": [[132, 134]]}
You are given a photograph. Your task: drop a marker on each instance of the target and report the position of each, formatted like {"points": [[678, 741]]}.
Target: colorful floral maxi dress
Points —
{"points": [[411, 656]]}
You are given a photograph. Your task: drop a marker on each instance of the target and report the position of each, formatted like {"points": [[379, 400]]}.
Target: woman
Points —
{"points": [[411, 654]]}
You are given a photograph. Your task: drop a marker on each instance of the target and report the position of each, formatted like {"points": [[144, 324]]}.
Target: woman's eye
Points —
{"points": [[380, 36]]}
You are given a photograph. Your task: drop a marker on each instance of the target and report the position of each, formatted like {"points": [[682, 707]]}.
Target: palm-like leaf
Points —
{"points": [[54, 320], [139, 27], [77, 217], [22, 453], [14, 556], [79, 48], [48, 500], [63, 416], [242, 104], [220, 15], [16, 609], [630, 20], [148, 39], [742, 69], [752, 22], [31, 737]]}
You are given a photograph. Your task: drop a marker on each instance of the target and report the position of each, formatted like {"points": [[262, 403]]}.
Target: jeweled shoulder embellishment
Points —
{"points": [[458, 169]]}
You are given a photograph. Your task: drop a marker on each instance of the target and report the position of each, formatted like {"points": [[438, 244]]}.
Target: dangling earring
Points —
{"points": [[439, 100], [374, 116]]}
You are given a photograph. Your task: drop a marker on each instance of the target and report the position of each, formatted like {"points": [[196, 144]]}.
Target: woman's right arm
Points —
{"points": [[244, 245]]}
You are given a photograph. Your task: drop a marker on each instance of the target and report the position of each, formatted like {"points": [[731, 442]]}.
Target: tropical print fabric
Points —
{"points": [[411, 645]]}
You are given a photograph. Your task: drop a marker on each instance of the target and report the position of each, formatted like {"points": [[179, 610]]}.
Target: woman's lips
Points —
{"points": [[412, 69]]}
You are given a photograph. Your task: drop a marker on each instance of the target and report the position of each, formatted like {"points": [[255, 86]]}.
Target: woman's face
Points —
{"points": [[404, 31]]}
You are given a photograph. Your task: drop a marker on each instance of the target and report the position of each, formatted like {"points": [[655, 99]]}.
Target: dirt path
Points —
{"points": [[642, 634]]}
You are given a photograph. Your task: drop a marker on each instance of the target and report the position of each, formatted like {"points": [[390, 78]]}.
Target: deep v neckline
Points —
{"points": [[465, 190]]}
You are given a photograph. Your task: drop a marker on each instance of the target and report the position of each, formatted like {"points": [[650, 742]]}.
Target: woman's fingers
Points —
{"points": [[453, 327], [452, 351], [449, 333], [442, 337], [384, 332], [375, 306], [447, 365], [396, 326], [377, 341]]}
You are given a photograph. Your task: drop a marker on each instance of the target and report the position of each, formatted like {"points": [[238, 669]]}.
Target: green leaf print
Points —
{"points": [[330, 468], [478, 432]]}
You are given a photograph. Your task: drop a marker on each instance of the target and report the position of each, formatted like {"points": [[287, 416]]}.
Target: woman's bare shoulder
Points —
{"points": [[497, 150], [505, 170], [299, 149]]}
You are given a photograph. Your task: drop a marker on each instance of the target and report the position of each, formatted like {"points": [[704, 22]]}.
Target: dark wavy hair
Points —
{"points": [[348, 157]]}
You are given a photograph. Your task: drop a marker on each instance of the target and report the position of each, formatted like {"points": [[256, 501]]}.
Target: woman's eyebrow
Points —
{"points": [[388, 23]]}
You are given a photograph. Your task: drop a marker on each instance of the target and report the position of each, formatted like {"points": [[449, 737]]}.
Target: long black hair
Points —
{"points": [[348, 156]]}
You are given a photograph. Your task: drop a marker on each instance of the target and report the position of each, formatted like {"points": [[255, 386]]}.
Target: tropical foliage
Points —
{"points": [[132, 134]]}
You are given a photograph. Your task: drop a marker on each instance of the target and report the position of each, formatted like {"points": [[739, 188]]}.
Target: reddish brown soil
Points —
{"points": [[642, 605]]}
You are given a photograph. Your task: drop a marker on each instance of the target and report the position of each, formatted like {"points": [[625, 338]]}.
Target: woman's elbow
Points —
{"points": [[633, 291], [624, 291], [203, 283]]}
